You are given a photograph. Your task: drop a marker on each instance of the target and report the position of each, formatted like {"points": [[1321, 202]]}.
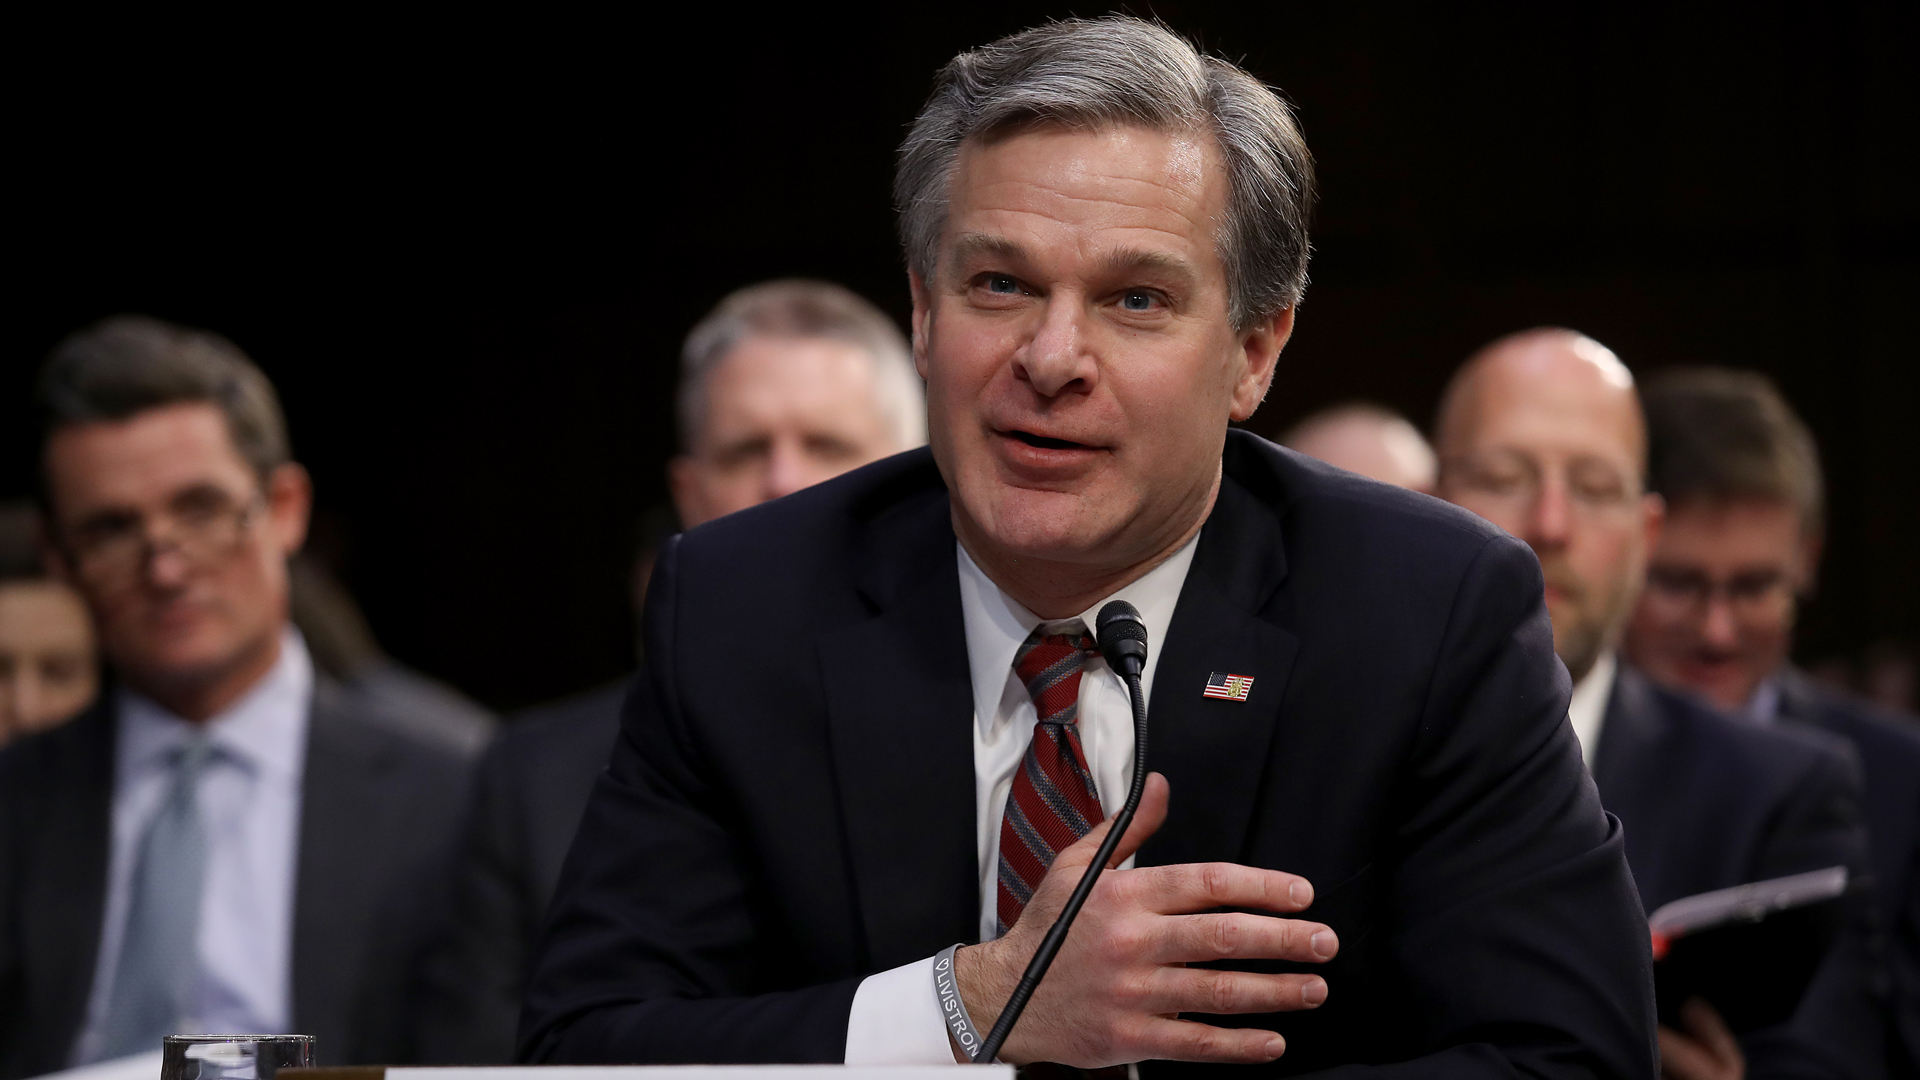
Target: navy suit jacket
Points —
{"points": [[1889, 746], [532, 787], [790, 806], [1709, 802]]}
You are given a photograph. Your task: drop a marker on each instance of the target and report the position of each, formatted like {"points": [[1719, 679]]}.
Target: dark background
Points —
{"points": [[466, 252]]}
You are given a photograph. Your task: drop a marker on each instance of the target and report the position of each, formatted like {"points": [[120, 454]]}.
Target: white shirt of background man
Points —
{"points": [[249, 799], [896, 1019], [1587, 710]]}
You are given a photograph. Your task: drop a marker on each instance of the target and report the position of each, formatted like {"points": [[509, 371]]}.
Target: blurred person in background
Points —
{"points": [[1541, 433], [1745, 522], [226, 841], [49, 664], [782, 385], [1368, 439]]}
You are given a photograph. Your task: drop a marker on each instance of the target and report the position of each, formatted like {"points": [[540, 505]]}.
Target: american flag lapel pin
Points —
{"points": [[1228, 687]]}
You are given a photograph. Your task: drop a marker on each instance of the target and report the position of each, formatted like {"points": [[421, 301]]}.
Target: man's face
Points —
{"points": [[1544, 447], [1717, 614], [47, 667], [1081, 365], [166, 532], [782, 414]]}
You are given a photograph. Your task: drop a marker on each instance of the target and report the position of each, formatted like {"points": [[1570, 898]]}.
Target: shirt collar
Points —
{"points": [[1764, 706], [265, 730], [1587, 710], [997, 624]]}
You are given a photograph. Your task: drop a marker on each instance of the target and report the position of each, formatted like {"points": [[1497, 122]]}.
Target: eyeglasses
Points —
{"points": [[1594, 488], [201, 524], [1754, 596]]}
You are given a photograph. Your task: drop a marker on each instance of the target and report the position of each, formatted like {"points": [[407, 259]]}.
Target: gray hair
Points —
{"points": [[798, 308], [128, 364], [1093, 73]]}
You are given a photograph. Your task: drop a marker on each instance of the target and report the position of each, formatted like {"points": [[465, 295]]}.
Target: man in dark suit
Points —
{"points": [[1541, 433], [871, 746], [228, 840], [1741, 477], [783, 384]]}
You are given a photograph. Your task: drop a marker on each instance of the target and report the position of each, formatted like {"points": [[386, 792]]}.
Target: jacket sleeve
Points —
{"points": [[1516, 934], [649, 953]]}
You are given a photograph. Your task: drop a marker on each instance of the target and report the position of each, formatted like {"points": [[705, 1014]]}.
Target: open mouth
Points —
{"points": [[1045, 443]]}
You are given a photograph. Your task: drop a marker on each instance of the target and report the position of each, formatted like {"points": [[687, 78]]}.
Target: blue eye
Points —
{"points": [[1137, 300], [1002, 283]]}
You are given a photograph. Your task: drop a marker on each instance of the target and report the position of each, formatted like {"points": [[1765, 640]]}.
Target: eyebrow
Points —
{"points": [[1121, 262]]}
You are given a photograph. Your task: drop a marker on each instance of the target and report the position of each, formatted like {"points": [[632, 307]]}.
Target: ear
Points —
{"points": [[683, 483], [1259, 357], [52, 559], [1653, 512], [289, 505], [922, 320], [1807, 568]]}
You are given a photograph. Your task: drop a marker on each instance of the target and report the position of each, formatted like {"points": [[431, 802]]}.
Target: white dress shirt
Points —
{"points": [[249, 801], [896, 1018], [1588, 708]]}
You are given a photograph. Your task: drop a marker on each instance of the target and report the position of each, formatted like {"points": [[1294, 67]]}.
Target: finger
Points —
{"points": [[1189, 939], [1168, 1039], [1703, 1022], [1147, 819], [1684, 1059], [1189, 887], [1229, 993]]}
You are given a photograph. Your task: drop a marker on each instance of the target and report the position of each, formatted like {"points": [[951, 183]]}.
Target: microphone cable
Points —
{"points": [[1123, 642]]}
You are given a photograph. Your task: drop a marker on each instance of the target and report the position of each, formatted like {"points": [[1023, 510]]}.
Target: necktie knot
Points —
{"points": [[1049, 666]]}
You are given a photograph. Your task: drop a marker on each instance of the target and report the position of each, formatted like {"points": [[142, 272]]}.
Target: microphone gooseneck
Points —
{"points": [[1122, 637]]}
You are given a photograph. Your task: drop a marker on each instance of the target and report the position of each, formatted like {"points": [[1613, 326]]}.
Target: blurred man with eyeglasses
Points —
{"points": [[1745, 521], [1542, 434], [227, 840]]}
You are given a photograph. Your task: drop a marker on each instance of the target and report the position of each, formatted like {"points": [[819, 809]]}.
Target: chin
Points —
{"points": [[1052, 525]]}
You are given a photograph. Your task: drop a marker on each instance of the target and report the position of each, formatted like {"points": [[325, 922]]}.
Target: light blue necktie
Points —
{"points": [[159, 953]]}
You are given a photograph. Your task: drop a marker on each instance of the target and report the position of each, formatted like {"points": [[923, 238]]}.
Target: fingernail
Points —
{"points": [[1300, 893], [1275, 1047], [1314, 992], [1324, 943]]}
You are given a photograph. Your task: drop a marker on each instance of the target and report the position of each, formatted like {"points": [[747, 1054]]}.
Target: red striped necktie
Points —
{"points": [[1054, 801]]}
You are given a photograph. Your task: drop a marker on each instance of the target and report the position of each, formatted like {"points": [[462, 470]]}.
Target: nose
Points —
{"points": [[1549, 517], [166, 566], [1056, 357], [787, 469], [1718, 627]]}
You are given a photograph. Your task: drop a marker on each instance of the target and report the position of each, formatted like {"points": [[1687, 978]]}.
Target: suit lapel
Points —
{"points": [[900, 715], [67, 887], [1215, 752], [1629, 769], [342, 798]]}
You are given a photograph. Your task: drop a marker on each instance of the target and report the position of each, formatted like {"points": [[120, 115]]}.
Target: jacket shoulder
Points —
{"points": [[1774, 755]]}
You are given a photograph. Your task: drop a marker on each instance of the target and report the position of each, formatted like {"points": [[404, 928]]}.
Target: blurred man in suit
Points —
{"points": [[1541, 433], [226, 841], [782, 385], [1368, 439], [49, 662], [873, 747], [1741, 477]]}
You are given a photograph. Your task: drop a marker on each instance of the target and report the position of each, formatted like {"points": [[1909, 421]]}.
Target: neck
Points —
{"points": [[206, 694], [1062, 589]]}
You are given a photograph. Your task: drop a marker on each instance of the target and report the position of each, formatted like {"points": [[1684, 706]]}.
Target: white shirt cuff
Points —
{"points": [[896, 1019]]}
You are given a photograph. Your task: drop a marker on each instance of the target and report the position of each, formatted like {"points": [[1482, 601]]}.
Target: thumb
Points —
{"points": [[1147, 819]]}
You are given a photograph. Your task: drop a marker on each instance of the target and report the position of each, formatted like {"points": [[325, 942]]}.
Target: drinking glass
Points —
{"points": [[233, 1057]]}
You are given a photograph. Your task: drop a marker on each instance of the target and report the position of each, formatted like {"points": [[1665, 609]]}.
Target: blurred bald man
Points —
{"points": [[1541, 433], [1368, 439]]}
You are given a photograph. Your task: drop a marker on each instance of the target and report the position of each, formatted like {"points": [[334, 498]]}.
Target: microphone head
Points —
{"points": [[1122, 636]]}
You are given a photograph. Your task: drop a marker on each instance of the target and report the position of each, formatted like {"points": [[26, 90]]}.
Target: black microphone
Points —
{"points": [[1123, 641]]}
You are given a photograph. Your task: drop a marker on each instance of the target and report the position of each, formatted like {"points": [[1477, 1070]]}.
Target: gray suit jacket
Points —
{"points": [[381, 807]]}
